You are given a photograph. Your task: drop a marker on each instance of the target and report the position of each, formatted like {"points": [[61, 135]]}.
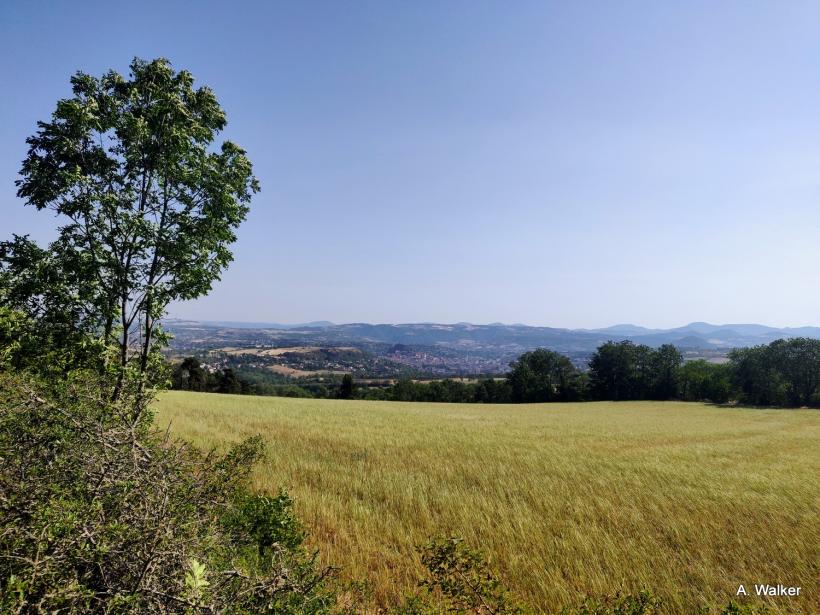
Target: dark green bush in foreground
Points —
{"points": [[101, 513]]}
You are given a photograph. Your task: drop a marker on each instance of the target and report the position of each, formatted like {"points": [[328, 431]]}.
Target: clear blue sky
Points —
{"points": [[571, 164]]}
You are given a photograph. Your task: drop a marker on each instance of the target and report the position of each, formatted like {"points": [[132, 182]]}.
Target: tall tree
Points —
{"points": [[228, 382], [347, 389], [666, 368], [542, 375], [612, 372], [757, 378], [189, 375], [150, 201]]}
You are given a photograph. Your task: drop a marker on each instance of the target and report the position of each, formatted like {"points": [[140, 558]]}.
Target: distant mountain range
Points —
{"points": [[706, 335], [238, 324], [699, 335]]}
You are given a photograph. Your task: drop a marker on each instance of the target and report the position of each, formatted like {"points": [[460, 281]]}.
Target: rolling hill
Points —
{"points": [[514, 337]]}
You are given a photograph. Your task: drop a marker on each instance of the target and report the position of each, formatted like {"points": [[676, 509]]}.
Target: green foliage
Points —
{"points": [[459, 581], [735, 608], [189, 376], [783, 373], [447, 391], [665, 377], [490, 391], [195, 582], [20, 346], [797, 362], [150, 205], [55, 325], [543, 375], [612, 371], [32, 345], [228, 382], [642, 603], [622, 371], [704, 381], [756, 377], [268, 521], [347, 389], [293, 390], [100, 513]]}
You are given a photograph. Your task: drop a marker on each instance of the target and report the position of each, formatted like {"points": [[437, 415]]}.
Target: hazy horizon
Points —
{"points": [[480, 324], [565, 165]]}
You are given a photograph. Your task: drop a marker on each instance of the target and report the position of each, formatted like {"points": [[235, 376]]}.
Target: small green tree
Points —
{"points": [[461, 581], [641, 603], [150, 204]]}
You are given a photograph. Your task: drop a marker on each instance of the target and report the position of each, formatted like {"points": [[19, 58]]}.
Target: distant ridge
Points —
{"points": [[696, 335], [238, 324], [625, 329]]}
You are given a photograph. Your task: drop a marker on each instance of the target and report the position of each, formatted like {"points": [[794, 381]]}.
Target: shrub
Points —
{"points": [[641, 603], [734, 608], [268, 521], [459, 581], [101, 513]]}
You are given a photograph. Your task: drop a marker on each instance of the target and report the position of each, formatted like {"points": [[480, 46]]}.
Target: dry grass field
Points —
{"points": [[685, 499]]}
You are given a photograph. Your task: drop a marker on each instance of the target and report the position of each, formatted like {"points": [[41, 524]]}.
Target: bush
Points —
{"points": [[641, 603], [734, 608], [101, 513], [268, 521], [459, 581]]}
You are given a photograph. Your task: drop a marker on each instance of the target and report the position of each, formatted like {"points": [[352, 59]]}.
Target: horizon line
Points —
{"points": [[329, 323]]}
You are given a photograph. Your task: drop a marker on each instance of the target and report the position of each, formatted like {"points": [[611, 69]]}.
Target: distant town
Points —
{"points": [[324, 351]]}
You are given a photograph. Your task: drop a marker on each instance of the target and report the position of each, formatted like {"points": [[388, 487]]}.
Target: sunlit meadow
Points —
{"points": [[685, 499]]}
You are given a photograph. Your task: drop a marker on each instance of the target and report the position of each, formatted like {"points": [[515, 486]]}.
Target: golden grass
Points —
{"points": [[685, 499]]}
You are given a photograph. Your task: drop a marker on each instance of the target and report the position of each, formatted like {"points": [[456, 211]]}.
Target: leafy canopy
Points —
{"points": [[150, 204]]}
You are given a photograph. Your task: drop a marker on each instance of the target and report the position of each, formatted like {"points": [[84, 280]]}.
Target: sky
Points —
{"points": [[568, 164]]}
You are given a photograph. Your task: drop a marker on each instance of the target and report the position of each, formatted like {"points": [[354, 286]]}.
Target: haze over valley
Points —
{"points": [[440, 350]]}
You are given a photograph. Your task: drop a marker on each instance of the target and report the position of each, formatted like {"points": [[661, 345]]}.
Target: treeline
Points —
{"points": [[191, 375], [783, 373], [617, 371]]}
